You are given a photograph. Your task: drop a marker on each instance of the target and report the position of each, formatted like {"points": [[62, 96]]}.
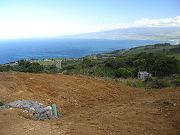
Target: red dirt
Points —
{"points": [[89, 106]]}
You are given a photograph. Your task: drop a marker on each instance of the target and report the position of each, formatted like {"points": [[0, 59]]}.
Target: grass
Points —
{"points": [[153, 82], [47, 63], [131, 82], [70, 63]]}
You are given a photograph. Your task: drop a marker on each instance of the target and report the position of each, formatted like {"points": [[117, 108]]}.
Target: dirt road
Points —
{"points": [[89, 107]]}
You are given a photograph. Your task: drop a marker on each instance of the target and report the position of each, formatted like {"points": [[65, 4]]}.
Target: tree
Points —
{"points": [[26, 66], [35, 67], [124, 72]]}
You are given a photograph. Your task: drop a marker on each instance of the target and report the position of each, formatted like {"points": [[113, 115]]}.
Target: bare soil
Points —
{"points": [[88, 106]]}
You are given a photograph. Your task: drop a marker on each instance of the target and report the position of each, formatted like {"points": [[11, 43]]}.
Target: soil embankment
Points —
{"points": [[89, 106]]}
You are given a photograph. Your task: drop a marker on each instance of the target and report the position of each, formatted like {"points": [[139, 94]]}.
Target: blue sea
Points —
{"points": [[13, 50]]}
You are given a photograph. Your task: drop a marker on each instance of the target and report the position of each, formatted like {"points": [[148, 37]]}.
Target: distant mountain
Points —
{"points": [[141, 33]]}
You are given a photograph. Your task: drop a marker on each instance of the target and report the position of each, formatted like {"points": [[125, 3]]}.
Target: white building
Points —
{"points": [[59, 64], [143, 75]]}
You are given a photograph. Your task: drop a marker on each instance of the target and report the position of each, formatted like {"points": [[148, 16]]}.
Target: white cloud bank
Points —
{"points": [[144, 22], [167, 22], [43, 28]]}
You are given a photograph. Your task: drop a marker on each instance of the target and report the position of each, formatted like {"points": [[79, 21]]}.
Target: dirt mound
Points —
{"points": [[89, 106]]}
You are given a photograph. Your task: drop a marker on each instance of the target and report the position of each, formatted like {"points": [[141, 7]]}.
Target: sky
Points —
{"points": [[52, 18]]}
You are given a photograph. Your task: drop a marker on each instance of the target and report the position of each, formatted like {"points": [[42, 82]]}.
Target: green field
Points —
{"points": [[47, 63]]}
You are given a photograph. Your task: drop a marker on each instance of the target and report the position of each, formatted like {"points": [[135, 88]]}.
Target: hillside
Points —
{"points": [[89, 106], [135, 33], [165, 48]]}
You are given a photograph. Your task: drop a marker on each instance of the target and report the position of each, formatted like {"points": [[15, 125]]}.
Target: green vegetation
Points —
{"points": [[156, 83], [46, 63], [132, 82], [125, 72], [177, 56], [127, 66], [26, 66], [161, 60], [23, 66], [158, 59], [165, 48], [4, 68]]}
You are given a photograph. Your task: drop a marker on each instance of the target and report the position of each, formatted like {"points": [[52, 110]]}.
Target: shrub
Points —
{"points": [[23, 66], [51, 69], [36, 67], [4, 68], [156, 83], [119, 62], [102, 72], [88, 62], [125, 72], [26, 66]]}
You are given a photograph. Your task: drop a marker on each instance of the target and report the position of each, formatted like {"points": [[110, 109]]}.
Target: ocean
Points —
{"points": [[13, 50]]}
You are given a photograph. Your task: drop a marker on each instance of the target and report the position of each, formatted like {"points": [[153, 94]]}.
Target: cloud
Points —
{"points": [[144, 22], [167, 22]]}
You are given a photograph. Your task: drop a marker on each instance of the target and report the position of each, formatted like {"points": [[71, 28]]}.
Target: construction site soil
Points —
{"points": [[88, 106]]}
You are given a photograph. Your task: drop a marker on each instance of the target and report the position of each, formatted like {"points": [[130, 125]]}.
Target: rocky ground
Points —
{"points": [[88, 107]]}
